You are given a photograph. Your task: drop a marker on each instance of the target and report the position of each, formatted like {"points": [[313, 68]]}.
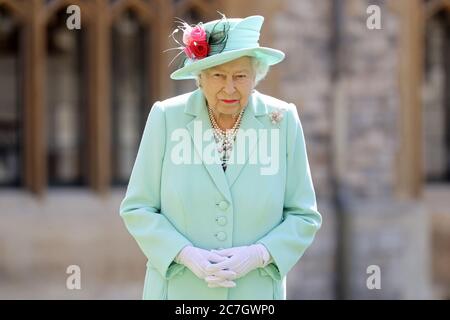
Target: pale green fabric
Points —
{"points": [[169, 205]]}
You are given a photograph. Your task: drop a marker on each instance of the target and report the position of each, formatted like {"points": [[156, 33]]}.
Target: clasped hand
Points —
{"points": [[220, 267]]}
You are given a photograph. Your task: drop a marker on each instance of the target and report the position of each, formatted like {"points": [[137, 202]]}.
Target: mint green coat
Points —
{"points": [[169, 204]]}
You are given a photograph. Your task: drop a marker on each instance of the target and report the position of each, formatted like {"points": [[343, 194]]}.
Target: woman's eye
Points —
{"points": [[241, 76]]}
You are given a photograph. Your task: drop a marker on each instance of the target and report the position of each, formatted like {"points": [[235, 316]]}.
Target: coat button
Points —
{"points": [[223, 205], [221, 221], [222, 236]]}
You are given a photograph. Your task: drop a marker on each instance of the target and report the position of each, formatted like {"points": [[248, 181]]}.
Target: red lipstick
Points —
{"points": [[230, 101]]}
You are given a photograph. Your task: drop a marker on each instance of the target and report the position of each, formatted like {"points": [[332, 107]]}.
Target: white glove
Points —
{"points": [[197, 260], [241, 260], [215, 281]]}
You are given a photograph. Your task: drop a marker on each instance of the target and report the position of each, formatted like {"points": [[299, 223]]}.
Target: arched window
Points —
{"points": [[130, 96], [436, 98], [66, 103], [11, 108], [73, 103]]}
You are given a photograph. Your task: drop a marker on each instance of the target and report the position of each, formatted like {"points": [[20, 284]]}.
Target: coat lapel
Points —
{"points": [[247, 137], [196, 106]]}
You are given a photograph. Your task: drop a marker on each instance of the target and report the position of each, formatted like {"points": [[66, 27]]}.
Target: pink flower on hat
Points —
{"points": [[197, 42], [194, 38], [191, 34], [197, 50]]}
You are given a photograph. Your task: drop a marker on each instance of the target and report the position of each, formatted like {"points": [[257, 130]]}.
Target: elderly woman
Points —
{"points": [[217, 216]]}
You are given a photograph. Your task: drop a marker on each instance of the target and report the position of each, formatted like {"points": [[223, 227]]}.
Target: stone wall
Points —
{"points": [[351, 125]]}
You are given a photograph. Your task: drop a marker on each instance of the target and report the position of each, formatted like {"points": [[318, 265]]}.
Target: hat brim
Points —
{"points": [[268, 55]]}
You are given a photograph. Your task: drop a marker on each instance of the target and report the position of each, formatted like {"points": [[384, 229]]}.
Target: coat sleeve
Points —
{"points": [[141, 208], [288, 241]]}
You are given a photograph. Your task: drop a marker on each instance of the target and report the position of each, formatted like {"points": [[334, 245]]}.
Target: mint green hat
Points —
{"points": [[241, 39]]}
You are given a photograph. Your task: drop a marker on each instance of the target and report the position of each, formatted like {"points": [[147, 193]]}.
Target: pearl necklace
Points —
{"points": [[225, 138]]}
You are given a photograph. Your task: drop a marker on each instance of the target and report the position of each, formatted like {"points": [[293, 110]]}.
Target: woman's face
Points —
{"points": [[227, 87]]}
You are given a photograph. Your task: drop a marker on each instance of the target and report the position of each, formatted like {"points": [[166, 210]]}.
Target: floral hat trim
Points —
{"points": [[198, 43]]}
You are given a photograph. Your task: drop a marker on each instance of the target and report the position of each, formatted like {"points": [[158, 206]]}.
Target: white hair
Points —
{"points": [[260, 68]]}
